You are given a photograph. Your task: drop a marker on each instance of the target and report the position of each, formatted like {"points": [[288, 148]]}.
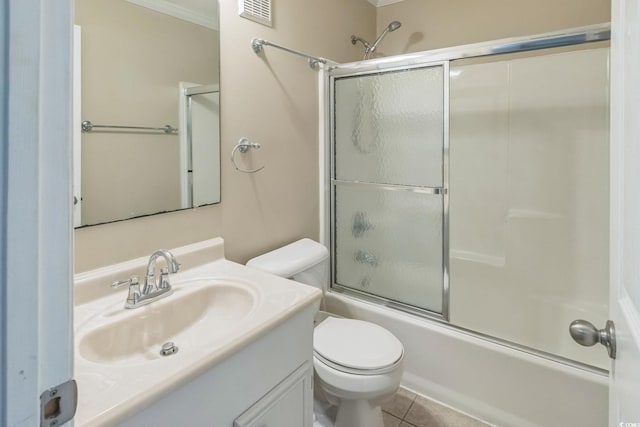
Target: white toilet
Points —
{"points": [[358, 365]]}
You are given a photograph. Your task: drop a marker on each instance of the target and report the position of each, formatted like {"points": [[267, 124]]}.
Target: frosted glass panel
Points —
{"points": [[389, 243], [529, 175], [389, 127]]}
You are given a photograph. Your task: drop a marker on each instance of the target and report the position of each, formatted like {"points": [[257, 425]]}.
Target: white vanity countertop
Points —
{"points": [[110, 390]]}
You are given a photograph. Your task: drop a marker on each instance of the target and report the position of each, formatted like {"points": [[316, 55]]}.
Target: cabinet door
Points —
{"points": [[289, 404]]}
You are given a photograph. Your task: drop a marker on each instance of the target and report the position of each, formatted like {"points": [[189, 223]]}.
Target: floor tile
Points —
{"points": [[400, 403], [426, 413], [390, 421]]}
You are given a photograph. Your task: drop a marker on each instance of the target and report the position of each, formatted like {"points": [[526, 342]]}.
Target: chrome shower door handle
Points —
{"points": [[584, 333]]}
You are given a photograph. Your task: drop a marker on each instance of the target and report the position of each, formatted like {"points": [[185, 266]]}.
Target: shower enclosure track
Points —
{"points": [[569, 37]]}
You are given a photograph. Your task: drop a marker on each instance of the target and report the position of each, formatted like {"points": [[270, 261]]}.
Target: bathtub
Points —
{"points": [[487, 380]]}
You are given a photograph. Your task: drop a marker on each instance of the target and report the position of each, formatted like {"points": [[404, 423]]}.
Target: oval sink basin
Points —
{"points": [[198, 313]]}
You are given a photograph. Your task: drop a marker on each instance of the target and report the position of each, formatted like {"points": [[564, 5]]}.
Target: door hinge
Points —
{"points": [[58, 404]]}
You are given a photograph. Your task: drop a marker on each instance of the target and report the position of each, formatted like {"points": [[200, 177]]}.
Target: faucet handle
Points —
{"points": [[149, 284], [134, 291], [163, 282], [128, 281]]}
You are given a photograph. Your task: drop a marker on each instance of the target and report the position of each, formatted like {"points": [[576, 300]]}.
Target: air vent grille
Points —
{"points": [[256, 10]]}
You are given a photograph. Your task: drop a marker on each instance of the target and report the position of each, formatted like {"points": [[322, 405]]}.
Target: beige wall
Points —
{"points": [[271, 99], [119, 241], [132, 61], [429, 24]]}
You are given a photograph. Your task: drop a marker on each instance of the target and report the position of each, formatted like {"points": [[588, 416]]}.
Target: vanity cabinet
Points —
{"points": [[287, 405], [266, 384]]}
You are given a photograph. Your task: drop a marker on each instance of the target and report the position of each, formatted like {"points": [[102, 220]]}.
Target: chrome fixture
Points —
{"points": [[87, 126], [355, 39], [243, 146], [366, 258], [584, 333], [163, 283], [391, 187], [370, 48], [257, 46], [360, 224], [168, 349], [58, 404], [134, 290], [152, 290]]}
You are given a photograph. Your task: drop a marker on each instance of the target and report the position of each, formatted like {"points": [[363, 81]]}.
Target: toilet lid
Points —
{"points": [[356, 345]]}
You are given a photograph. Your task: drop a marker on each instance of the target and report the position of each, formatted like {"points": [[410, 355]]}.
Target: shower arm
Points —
{"points": [[355, 39], [374, 46]]}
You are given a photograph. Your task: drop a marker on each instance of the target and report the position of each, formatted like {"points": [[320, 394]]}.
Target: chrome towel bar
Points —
{"points": [[87, 126]]}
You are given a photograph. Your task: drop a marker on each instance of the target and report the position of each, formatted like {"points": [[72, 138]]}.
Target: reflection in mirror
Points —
{"points": [[142, 67], [199, 155]]}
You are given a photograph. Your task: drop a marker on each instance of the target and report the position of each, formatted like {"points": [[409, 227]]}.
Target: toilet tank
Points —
{"points": [[304, 261]]}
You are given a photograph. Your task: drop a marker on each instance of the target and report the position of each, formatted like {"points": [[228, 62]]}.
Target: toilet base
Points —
{"points": [[353, 413], [358, 413], [358, 399], [324, 413]]}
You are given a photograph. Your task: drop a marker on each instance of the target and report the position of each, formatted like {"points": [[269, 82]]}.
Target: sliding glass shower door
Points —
{"points": [[389, 186], [529, 213], [486, 172]]}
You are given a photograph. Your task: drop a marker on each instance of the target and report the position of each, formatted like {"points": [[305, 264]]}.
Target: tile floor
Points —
{"points": [[406, 409]]}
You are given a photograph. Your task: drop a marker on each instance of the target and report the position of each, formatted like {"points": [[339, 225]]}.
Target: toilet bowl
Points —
{"points": [[357, 364]]}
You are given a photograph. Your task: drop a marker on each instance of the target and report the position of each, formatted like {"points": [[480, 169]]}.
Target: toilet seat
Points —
{"points": [[356, 347]]}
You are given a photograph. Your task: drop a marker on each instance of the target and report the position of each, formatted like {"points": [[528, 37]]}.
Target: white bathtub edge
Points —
{"points": [[488, 381]]}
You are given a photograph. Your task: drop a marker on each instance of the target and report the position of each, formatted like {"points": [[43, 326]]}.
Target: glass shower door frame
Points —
{"points": [[356, 71], [568, 37]]}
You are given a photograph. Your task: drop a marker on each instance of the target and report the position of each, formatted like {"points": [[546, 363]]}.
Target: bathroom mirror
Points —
{"points": [[147, 119]]}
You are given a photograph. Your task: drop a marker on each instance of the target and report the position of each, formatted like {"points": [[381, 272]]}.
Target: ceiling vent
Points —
{"points": [[256, 10]]}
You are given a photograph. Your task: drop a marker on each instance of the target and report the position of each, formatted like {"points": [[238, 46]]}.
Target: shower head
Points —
{"points": [[370, 48], [394, 25]]}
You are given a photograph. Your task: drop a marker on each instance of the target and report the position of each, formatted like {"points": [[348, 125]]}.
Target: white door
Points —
{"points": [[77, 125], [624, 392], [36, 272]]}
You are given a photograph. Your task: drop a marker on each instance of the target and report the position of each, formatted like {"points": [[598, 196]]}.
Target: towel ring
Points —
{"points": [[243, 146]]}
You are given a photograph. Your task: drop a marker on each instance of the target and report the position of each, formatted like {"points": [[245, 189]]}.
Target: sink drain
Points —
{"points": [[168, 349]]}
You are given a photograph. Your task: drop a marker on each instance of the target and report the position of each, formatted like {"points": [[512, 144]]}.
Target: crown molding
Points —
{"points": [[180, 12], [380, 3]]}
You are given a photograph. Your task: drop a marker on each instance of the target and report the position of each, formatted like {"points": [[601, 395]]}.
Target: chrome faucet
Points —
{"points": [[152, 290], [150, 284]]}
